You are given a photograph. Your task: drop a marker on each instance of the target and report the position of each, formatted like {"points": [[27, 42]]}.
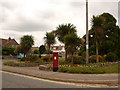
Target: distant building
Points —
{"points": [[34, 48], [8, 42], [60, 49], [57, 48]]}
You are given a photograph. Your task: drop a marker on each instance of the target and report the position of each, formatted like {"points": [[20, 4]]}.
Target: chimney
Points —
{"points": [[9, 38]]}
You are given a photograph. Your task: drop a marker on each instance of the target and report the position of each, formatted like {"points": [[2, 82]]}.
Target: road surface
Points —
{"points": [[11, 80]]}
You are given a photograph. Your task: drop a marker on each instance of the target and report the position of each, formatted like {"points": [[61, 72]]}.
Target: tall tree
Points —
{"points": [[49, 39], [110, 41], [26, 43], [18, 49], [42, 49], [62, 31], [97, 25]]}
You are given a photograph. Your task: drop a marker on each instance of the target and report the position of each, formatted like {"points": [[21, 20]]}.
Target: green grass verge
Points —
{"points": [[91, 70], [9, 63], [20, 64]]}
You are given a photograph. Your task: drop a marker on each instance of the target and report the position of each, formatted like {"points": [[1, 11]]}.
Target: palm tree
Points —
{"points": [[72, 41], [97, 25], [26, 43], [62, 31], [49, 39]]}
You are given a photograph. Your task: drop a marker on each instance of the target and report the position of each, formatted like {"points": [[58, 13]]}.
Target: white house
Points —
{"points": [[60, 49]]}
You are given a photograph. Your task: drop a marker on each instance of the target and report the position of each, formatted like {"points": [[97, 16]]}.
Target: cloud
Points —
{"points": [[77, 4], [35, 17], [9, 5], [27, 26], [119, 13], [96, 8]]}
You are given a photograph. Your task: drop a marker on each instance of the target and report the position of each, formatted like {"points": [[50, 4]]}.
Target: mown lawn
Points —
{"points": [[92, 68]]}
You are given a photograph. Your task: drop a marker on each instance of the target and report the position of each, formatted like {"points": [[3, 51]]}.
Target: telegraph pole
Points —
{"points": [[87, 40]]}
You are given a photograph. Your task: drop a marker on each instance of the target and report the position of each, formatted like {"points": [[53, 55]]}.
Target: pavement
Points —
{"points": [[108, 79]]}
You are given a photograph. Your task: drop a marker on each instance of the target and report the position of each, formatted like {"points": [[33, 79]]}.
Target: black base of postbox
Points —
{"points": [[55, 69]]}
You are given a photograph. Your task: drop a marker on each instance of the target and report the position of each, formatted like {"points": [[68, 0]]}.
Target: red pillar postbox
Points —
{"points": [[55, 61]]}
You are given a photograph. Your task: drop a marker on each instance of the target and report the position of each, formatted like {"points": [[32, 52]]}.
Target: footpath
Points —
{"points": [[108, 79]]}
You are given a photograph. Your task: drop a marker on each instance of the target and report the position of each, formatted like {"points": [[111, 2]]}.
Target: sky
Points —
{"points": [[36, 17]]}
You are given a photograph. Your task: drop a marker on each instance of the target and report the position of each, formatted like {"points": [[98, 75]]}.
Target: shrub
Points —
{"points": [[33, 58], [23, 59], [111, 57], [63, 69], [61, 60], [92, 58], [84, 54], [30, 59], [76, 60], [36, 52], [46, 58], [8, 51], [92, 53], [39, 61]]}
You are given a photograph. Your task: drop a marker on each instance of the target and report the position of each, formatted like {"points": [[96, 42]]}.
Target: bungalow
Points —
{"points": [[8, 42], [60, 49]]}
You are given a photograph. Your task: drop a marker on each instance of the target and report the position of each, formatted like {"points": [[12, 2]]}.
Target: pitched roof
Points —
{"points": [[8, 42], [56, 47]]}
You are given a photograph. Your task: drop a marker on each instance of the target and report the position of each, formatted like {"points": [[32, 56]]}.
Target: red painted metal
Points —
{"points": [[55, 59]]}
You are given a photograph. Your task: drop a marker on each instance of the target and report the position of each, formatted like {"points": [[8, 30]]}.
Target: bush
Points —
{"points": [[84, 54], [33, 58], [46, 58], [61, 60], [23, 59], [92, 58], [92, 50], [111, 57], [30, 59], [63, 69], [8, 51], [36, 52], [39, 61], [76, 60]]}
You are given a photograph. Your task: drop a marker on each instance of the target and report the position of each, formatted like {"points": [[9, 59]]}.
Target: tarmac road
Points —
{"points": [[11, 80]]}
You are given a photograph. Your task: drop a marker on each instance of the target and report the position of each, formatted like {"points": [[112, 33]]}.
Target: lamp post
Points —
{"points": [[87, 40]]}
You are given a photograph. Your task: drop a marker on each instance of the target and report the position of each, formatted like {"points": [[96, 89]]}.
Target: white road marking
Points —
{"points": [[58, 82]]}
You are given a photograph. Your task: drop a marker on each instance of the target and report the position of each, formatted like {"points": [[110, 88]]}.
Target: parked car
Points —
{"points": [[19, 56]]}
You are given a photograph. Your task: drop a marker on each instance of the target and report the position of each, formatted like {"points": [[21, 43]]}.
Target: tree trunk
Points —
{"points": [[49, 52], [24, 55], [97, 59], [72, 57], [48, 47], [65, 54]]}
